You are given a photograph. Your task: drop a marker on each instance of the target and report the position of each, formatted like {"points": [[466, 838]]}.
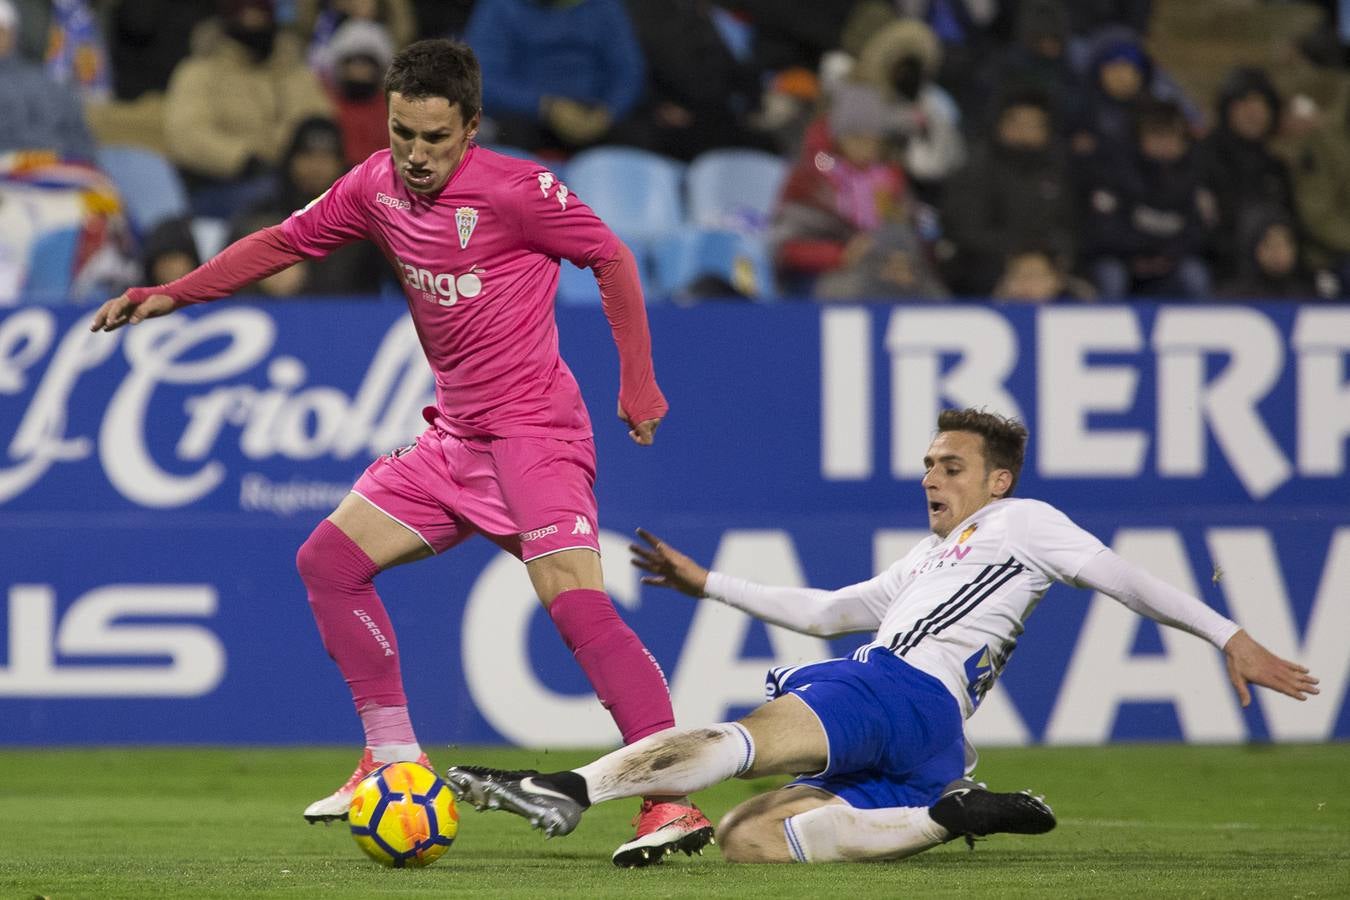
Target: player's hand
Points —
{"points": [[668, 567], [1249, 662], [643, 433], [120, 311]]}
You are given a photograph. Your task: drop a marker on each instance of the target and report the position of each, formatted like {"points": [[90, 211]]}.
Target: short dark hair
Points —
{"points": [[1005, 438], [438, 68]]}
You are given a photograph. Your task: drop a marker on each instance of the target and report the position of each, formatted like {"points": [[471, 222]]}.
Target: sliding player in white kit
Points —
{"points": [[882, 731]]}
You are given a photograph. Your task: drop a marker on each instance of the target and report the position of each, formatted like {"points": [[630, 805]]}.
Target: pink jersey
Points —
{"points": [[479, 266]]}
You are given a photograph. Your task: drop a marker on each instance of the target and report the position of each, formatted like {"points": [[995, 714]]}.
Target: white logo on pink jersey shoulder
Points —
{"points": [[466, 220], [442, 287], [392, 202], [546, 183]]}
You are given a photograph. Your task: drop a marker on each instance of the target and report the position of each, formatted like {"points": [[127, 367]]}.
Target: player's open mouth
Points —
{"points": [[936, 506], [421, 179]]}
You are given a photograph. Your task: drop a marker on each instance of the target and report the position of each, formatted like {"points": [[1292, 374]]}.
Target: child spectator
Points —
{"points": [[1147, 215], [901, 61], [1238, 165], [1036, 275], [1269, 266], [311, 164], [841, 227], [170, 252], [1121, 77]]}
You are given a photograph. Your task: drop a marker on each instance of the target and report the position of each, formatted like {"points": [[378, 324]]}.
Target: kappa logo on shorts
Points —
{"points": [[527, 536], [582, 526]]}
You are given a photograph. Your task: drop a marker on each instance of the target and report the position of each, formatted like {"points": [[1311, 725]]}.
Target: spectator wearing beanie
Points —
{"points": [[355, 61]]}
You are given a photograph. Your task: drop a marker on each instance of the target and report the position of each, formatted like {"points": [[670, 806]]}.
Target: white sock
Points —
{"points": [[670, 763], [387, 753], [839, 833]]}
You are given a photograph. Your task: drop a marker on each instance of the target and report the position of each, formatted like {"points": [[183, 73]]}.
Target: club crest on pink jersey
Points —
{"points": [[466, 219]]}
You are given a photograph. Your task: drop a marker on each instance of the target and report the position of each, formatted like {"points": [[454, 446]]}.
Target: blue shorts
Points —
{"points": [[895, 733]]}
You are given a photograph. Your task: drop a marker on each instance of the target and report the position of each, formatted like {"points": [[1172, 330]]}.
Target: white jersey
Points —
{"points": [[954, 607]]}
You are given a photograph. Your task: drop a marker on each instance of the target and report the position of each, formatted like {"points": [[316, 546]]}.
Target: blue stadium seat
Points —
{"points": [[577, 287], [556, 166], [149, 184], [637, 193], [51, 267], [740, 259], [735, 189]]}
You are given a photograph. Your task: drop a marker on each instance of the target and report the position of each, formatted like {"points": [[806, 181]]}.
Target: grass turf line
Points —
{"points": [[1135, 820]]}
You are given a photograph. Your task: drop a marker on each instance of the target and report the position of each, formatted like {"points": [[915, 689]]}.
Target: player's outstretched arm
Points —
{"points": [[248, 259], [667, 567], [1251, 663], [804, 610], [122, 310]]}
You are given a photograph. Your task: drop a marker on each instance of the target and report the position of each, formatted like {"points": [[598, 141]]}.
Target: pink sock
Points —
{"points": [[623, 673], [355, 628], [387, 726]]}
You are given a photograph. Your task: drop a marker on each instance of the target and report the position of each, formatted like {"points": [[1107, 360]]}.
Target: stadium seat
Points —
{"points": [[553, 165], [149, 184], [51, 267], [735, 189], [636, 192], [577, 287], [740, 259]]}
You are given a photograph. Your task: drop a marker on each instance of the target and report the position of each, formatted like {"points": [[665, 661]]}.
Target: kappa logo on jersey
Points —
{"points": [[392, 202], [466, 220], [546, 183], [582, 526], [441, 287]]}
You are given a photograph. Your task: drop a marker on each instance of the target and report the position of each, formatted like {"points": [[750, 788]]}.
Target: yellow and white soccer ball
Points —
{"points": [[403, 815]]}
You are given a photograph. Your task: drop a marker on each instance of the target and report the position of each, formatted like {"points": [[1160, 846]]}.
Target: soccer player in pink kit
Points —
{"points": [[475, 238]]}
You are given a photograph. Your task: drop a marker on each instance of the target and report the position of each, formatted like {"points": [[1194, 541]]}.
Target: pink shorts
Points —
{"points": [[531, 496]]}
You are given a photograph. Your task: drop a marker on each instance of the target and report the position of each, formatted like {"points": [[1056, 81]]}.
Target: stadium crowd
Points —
{"points": [[1025, 150]]}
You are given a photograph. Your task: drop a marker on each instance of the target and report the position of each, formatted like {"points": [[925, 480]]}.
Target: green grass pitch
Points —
{"points": [[1136, 821]]}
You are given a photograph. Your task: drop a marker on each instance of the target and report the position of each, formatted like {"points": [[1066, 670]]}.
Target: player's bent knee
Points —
{"points": [[753, 839]]}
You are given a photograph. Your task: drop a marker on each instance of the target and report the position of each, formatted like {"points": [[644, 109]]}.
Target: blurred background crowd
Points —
{"points": [[747, 149]]}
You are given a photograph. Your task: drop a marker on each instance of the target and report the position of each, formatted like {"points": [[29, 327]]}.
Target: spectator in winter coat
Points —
{"points": [[1014, 193], [1322, 191], [1121, 77], [147, 39], [557, 74], [1147, 214], [1238, 165], [1269, 266], [231, 109], [36, 113], [901, 61], [356, 59], [699, 95], [1038, 57]]}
